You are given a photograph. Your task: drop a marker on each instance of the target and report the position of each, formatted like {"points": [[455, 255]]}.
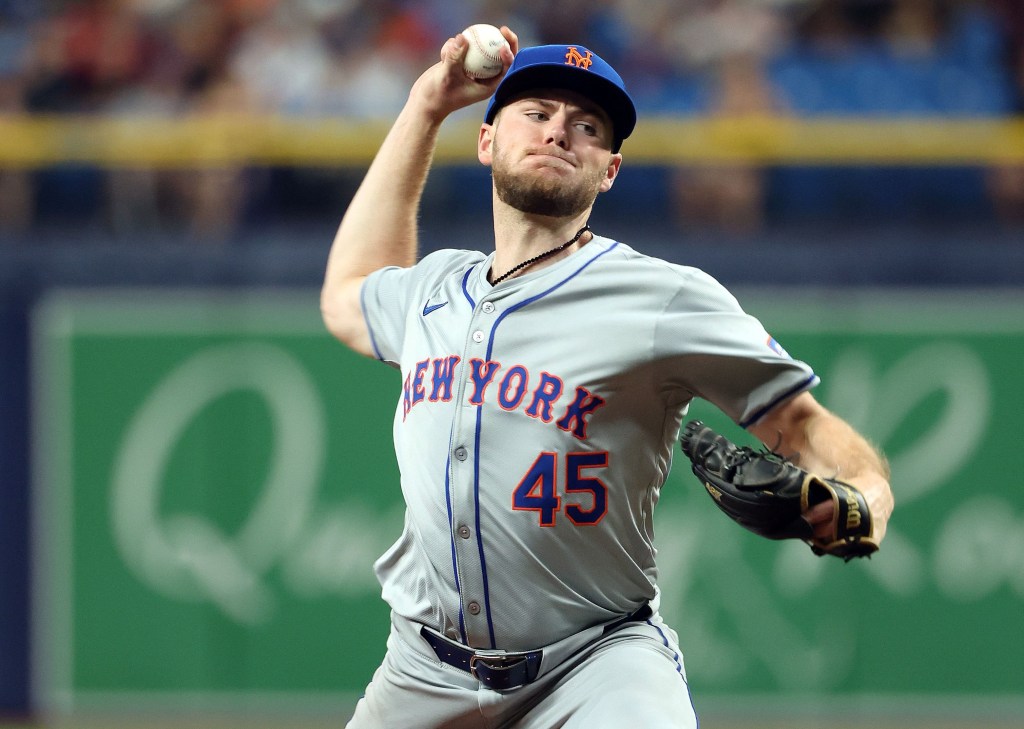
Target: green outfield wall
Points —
{"points": [[215, 476]]}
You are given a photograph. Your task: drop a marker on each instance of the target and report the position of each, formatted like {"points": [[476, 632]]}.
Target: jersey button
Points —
{"points": [[478, 336], [474, 608], [461, 453], [488, 307], [464, 531]]}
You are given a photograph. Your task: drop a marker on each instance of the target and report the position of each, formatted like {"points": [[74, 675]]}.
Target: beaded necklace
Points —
{"points": [[542, 256]]}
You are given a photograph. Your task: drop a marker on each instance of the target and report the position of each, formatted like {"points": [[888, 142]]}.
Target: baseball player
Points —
{"points": [[543, 390]]}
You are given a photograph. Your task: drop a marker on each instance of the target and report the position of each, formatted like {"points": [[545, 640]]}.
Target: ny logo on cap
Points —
{"points": [[574, 58]]}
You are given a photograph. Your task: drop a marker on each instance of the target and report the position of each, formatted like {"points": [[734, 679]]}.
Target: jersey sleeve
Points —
{"points": [[391, 295], [725, 356]]}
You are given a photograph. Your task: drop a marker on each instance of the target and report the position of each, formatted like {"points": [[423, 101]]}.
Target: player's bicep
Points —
{"points": [[342, 312]]}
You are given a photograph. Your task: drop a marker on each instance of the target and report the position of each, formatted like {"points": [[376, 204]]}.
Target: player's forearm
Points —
{"points": [[804, 430], [832, 443], [825, 444], [379, 226]]}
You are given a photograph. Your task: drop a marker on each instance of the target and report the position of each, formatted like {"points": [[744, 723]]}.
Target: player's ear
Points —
{"points": [[611, 173], [485, 144]]}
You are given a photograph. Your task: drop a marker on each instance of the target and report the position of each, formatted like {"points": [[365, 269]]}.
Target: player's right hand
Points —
{"points": [[445, 87]]}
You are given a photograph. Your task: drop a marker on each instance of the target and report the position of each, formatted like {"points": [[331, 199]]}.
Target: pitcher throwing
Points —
{"points": [[544, 384]]}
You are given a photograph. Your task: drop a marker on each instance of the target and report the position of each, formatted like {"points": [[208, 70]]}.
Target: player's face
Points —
{"points": [[550, 154]]}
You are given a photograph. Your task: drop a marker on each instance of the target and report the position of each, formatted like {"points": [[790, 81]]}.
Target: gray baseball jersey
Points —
{"points": [[537, 423]]}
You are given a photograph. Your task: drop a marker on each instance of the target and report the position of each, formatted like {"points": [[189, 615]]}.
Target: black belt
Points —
{"points": [[501, 670], [497, 670]]}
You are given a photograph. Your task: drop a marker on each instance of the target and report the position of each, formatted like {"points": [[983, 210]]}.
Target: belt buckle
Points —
{"points": [[493, 659]]}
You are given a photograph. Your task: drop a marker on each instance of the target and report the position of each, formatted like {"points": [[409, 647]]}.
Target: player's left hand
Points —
{"points": [[821, 515], [773, 497]]}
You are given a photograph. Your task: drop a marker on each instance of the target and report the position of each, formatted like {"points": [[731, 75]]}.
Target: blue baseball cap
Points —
{"points": [[571, 67]]}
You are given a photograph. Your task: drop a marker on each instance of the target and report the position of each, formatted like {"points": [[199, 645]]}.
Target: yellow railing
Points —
{"points": [[32, 142]]}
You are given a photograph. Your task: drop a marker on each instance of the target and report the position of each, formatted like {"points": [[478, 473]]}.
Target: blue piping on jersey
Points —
{"points": [[479, 416], [451, 535], [479, 536], [664, 640], [805, 385], [369, 329], [465, 290], [679, 668]]}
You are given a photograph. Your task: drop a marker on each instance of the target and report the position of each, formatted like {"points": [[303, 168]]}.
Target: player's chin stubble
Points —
{"points": [[542, 197]]}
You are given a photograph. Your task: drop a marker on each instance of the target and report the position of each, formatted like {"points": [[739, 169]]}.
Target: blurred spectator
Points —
{"points": [[705, 33], [729, 42], [914, 28], [1006, 181], [87, 52], [1006, 187], [281, 62], [212, 198], [193, 37], [827, 27], [729, 196], [379, 50], [1010, 15]]}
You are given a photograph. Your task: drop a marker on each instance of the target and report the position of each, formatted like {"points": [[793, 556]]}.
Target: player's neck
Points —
{"points": [[535, 237]]}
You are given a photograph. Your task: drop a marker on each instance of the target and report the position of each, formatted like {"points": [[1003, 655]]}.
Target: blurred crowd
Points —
{"points": [[357, 58]]}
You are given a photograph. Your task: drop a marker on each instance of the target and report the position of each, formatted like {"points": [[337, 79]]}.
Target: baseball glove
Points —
{"points": [[768, 494]]}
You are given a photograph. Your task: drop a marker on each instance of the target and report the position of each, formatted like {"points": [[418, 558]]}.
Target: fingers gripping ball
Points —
{"points": [[483, 58], [768, 494]]}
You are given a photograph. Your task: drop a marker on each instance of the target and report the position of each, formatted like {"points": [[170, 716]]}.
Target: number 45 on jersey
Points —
{"points": [[538, 489]]}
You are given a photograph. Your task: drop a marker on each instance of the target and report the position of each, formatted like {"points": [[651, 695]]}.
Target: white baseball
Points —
{"points": [[483, 58]]}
